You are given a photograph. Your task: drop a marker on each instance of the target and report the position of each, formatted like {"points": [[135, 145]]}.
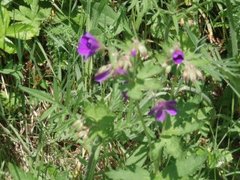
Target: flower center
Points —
{"points": [[179, 56], [89, 43]]}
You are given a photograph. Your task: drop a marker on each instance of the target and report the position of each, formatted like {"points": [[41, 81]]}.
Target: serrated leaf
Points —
{"points": [[152, 84], [104, 127], [148, 70], [138, 157], [4, 21], [107, 15], [7, 45], [135, 91], [5, 2], [133, 173], [31, 16], [97, 111], [17, 74], [172, 146], [189, 165], [185, 128], [22, 31], [183, 167]]}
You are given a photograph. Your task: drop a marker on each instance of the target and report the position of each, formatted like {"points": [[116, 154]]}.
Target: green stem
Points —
{"points": [[233, 33], [148, 138], [92, 161]]}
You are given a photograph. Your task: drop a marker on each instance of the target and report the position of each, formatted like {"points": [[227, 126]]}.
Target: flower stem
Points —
{"points": [[148, 138], [92, 161]]}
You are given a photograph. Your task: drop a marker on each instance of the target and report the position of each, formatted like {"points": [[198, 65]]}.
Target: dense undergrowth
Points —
{"points": [[60, 118]]}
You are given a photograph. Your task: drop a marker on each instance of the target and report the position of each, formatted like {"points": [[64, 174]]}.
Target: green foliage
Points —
{"points": [[130, 173], [21, 24], [56, 122]]}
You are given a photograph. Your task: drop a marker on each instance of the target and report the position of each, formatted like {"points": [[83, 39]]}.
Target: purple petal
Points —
{"points": [[88, 45], [160, 115], [171, 112], [178, 56], [169, 104], [102, 76], [163, 107], [133, 52], [170, 107], [120, 71], [153, 110]]}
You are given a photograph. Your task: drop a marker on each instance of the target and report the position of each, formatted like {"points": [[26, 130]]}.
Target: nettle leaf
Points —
{"points": [[22, 31], [133, 173], [148, 70]]}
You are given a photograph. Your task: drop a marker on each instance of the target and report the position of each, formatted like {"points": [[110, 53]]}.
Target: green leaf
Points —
{"points": [[19, 174], [17, 74], [183, 167], [189, 165], [172, 146], [40, 95], [135, 91], [152, 84], [138, 156], [107, 15], [133, 173], [184, 128], [31, 16], [5, 2], [22, 31], [4, 21], [148, 70], [7, 45], [97, 111], [104, 127]]}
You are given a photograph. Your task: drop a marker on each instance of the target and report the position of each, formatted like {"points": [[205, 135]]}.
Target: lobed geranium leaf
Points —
{"points": [[22, 31], [148, 70], [133, 173]]}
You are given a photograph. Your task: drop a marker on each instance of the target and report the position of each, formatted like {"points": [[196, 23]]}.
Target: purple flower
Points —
{"points": [[103, 74], [88, 46], [160, 110], [120, 71], [134, 52], [178, 56]]}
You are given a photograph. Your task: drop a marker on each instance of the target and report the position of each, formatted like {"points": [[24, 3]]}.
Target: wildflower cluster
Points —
{"points": [[89, 45]]}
